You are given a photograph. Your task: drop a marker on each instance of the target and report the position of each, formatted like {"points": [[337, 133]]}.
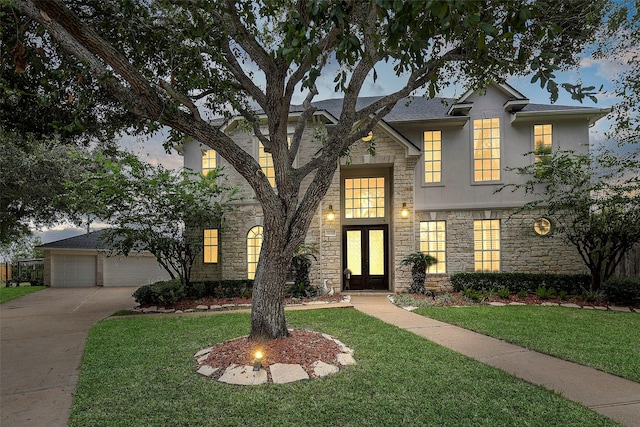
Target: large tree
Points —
{"points": [[151, 208], [594, 202], [33, 173], [619, 45], [172, 63]]}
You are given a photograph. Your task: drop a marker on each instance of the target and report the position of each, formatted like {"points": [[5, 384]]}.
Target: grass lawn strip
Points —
{"points": [[8, 294], [605, 340], [139, 371]]}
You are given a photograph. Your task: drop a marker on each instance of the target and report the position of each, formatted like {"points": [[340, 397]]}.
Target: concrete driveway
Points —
{"points": [[42, 338]]}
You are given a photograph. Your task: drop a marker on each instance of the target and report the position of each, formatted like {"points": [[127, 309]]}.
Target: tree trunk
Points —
{"points": [[267, 302]]}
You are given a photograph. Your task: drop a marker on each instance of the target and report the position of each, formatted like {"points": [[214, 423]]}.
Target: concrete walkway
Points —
{"points": [[609, 395], [42, 338]]}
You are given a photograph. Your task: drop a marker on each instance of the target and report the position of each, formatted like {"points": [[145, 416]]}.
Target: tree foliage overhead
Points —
{"points": [[619, 44], [178, 63], [32, 174], [594, 202], [151, 208], [46, 91]]}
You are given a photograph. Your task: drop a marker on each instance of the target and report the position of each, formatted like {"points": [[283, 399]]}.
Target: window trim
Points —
{"points": [[424, 160], [500, 151], [255, 233], [491, 250], [215, 159], [215, 252], [440, 264]]}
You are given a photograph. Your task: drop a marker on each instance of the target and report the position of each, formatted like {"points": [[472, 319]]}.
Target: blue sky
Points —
{"points": [[590, 72]]}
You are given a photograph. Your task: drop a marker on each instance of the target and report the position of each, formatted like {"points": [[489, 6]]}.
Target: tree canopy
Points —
{"points": [[594, 202], [151, 208], [33, 173], [177, 64]]}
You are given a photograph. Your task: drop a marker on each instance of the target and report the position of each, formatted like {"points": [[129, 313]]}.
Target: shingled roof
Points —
{"points": [[407, 109], [84, 241]]}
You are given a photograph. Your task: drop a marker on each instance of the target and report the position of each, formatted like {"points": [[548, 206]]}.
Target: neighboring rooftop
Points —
{"points": [[90, 240]]}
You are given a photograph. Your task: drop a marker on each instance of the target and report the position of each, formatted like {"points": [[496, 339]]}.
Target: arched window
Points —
{"points": [[254, 243]]}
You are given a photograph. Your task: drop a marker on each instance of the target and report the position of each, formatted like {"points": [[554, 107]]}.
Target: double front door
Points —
{"points": [[365, 256]]}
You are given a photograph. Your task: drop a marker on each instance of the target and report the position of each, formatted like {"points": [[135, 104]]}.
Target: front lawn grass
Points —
{"points": [[605, 340], [7, 294], [139, 371]]}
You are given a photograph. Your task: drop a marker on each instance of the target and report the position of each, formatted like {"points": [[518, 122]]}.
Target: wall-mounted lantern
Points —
{"points": [[404, 212], [331, 215]]}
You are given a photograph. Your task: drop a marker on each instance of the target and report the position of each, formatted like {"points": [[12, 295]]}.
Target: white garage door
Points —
{"points": [[132, 271], [73, 270]]}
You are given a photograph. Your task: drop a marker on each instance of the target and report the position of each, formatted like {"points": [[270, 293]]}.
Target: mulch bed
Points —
{"points": [[302, 347], [191, 303]]}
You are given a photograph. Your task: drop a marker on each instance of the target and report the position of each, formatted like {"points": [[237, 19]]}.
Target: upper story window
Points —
{"points": [[211, 246], [542, 141], [254, 244], [364, 197], [266, 163], [432, 146], [486, 244], [209, 161], [433, 242], [486, 150]]}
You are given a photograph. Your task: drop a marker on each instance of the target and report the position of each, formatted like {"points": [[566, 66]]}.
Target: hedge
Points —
{"points": [[160, 293], [623, 291], [572, 284], [222, 289]]}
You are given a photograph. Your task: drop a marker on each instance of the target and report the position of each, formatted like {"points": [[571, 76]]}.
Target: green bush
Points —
{"points": [[516, 282], [545, 293], [160, 293], [623, 291], [224, 288], [504, 293]]}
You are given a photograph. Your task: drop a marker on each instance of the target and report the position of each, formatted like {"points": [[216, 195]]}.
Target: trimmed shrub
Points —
{"points": [[160, 293], [517, 282], [622, 291], [222, 289]]}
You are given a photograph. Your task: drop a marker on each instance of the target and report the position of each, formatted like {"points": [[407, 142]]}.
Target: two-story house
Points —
{"points": [[429, 187]]}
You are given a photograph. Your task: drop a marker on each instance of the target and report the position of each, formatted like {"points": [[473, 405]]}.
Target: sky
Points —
{"points": [[590, 72]]}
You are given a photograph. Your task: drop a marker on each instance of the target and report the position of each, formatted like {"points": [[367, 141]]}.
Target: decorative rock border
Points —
{"points": [[277, 373], [543, 304]]}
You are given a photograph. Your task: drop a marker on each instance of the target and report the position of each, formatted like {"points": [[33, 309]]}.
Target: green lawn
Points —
{"points": [[605, 340], [7, 294], [139, 371]]}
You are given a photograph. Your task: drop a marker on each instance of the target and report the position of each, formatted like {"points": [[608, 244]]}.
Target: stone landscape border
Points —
{"points": [[230, 307], [277, 373], [543, 304]]}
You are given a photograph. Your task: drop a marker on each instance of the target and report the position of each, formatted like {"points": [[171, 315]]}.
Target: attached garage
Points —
{"points": [[84, 261], [134, 270], [73, 270]]}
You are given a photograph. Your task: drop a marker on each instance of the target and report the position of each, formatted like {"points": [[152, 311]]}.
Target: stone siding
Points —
{"points": [[522, 250]]}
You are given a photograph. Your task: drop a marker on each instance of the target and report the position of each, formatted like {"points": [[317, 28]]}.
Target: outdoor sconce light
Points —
{"points": [[257, 361], [405, 211], [331, 215]]}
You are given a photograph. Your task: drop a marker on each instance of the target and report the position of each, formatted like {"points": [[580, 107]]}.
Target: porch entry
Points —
{"points": [[365, 256]]}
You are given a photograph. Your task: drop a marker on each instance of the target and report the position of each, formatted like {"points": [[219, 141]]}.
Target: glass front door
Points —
{"points": [[365, 257]]}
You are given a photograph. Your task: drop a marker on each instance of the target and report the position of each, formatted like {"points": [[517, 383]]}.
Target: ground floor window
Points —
{"points": [[486, 242], [211, 246], [254, 244], [433, 242]]}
